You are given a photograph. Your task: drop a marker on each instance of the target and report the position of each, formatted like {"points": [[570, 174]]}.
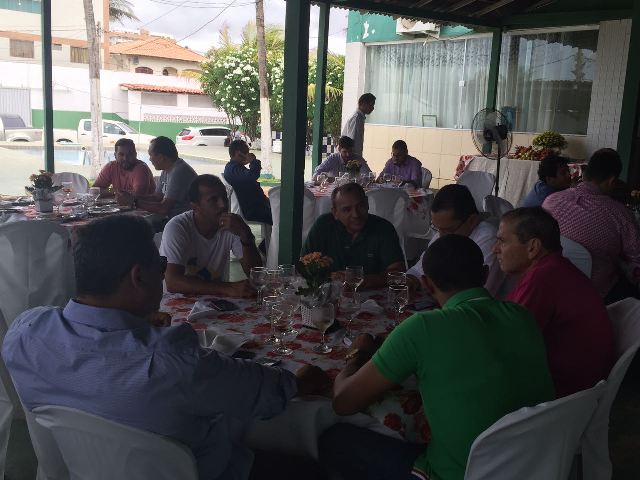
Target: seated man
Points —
{"points": [[564, 302], [253, 202], [337, 162], [475, 359], [403, 165], [104, 356], [170, 197], [606, 228], [197, 244], [127, 173], [454, 211], [350, 236], [554, 176]]}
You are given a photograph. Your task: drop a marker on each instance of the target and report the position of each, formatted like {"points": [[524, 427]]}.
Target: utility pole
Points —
{"points": [[94, 88], [265, 111]]}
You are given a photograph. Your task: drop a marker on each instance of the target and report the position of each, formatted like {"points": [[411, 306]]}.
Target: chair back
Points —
{"points": [[480, 184], [79, 183], [96, 448], [36, 267], [51, 465], [496, 206], [426, 177], [577, 254], [308, 217], [391, 204], [625, 319], [534, 442]]}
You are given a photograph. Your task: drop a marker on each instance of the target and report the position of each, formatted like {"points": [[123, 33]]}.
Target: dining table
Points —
{"points": [[398, 414]]}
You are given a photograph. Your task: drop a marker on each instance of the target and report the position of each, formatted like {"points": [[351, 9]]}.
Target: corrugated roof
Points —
{"points": [[161, 88], [157, 47]]}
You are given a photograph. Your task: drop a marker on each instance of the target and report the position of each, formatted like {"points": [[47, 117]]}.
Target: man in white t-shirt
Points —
{"points": [[454, 211], [197, 244]]}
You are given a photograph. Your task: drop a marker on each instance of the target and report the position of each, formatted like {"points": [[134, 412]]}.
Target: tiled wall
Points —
{"points": [[608, 84], [439, 149]]}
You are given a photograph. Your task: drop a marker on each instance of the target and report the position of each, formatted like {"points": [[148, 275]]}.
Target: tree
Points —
{"points": [[333, 89], [120, 10], [263, 83], [94, 87]]}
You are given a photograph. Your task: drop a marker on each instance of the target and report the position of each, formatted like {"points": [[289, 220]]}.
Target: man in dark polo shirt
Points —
{"points": [[350, 236]]}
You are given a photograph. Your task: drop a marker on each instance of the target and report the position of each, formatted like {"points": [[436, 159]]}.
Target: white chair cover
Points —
{"points": [[51, 465], [6, 413], [391, 204], [426, 177], [496, 206], [578, 255], [80, 183], [234, 207], [534, 442], [308, 217], [480, 184], [98, 449], [625, 319]]}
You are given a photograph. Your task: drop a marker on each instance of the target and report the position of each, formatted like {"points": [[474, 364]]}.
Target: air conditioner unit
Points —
{"points": [[414, 27]]}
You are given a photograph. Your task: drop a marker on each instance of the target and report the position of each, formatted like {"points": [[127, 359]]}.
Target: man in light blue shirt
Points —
{"points": [[336, 162], [102, 354], [554, 176]]}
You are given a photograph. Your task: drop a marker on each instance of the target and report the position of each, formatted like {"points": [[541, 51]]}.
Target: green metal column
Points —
{"points": [[631, 95], [494, 68], [296, 76], [47, 86], [321, 77]]}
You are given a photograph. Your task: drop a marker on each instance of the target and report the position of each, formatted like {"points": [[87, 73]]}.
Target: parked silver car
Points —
{"points": [[204, 136]]}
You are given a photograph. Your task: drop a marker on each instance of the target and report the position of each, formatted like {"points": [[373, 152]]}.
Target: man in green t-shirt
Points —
{"points": [[476, 359], [351, 236]]}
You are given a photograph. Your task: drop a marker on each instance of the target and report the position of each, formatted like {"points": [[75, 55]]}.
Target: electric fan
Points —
{"points": [[491, 135]]}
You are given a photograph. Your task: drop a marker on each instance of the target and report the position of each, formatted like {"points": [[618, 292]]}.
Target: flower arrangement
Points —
{"points": [[531, 153], [316, 270], [42, 185], [550, 140], [353, 167]]}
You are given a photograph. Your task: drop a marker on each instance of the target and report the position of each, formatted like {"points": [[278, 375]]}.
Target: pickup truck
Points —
{"points": [[13, 129], [112, 131]]}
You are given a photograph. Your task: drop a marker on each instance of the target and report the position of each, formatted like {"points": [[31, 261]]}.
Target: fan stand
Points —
{"points": [[497, 186]]}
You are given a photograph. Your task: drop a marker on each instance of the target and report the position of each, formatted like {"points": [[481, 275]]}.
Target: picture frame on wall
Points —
{"points": [[430, 121]]}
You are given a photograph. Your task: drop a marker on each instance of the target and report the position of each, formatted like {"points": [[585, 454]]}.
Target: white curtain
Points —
{"points": [[546, 78], [445, 79]]}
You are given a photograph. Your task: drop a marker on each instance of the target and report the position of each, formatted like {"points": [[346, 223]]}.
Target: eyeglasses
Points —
{"points": [[448, 230]]}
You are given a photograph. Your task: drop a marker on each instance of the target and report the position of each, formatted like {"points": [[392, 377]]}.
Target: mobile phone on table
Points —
{"points": [[244, 354], [224, 305]]}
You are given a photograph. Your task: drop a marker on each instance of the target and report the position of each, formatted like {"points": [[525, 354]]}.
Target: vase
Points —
{"points": [[307, 314], [44, 206], [43, 198]]}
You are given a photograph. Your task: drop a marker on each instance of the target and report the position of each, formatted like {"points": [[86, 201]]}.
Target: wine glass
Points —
{"points": [[274, 281], [353, 277], [386, 177], [323, 318], [322, 179], [293, 300], [288, 275], [350, 306], [67, 188], [399, 298], [397, 180], [273, 314], [282, 326], [396, 278], [258, 280]]}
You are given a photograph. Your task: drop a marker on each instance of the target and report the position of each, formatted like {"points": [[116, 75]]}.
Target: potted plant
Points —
{"points": [[353, 168], [42, 190], [315, 268], [550, 140]]}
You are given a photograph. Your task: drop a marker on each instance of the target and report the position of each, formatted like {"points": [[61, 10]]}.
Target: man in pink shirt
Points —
{"points": [[570, 313], [606, 228], [127, 173]]}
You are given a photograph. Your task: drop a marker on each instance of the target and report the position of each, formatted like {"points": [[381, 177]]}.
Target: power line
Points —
{"points": [[207, 23], [165, 13]]}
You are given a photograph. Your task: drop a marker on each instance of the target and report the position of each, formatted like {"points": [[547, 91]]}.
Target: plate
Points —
{"points": [[5, 210], [106, 201], [106, 210]]}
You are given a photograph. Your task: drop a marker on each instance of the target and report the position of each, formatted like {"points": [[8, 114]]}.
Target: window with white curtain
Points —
{"points": [[419, 82], [545, 80]]}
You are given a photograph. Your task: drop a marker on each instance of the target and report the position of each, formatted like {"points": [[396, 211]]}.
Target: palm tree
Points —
{"points": [[120, 10]]}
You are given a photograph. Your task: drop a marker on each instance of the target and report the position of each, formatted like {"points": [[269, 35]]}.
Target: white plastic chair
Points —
{"points": [[480, 184], [577, 254], [234, 207], [391, 204], [625, 319], [496, 206], [426, 177], [6, 413], [308, 217], [51, 465], [79, 183], [99, 449], [534, 442]]}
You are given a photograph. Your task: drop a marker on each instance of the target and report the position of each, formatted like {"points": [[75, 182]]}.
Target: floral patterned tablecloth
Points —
{"points": [[400, 411]]}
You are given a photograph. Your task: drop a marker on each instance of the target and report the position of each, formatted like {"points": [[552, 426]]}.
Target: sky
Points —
{"points": [[182, 19]]}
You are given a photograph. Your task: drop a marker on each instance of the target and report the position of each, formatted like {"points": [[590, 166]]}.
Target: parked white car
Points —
{"points": [[112, 131], [214, 135], [13, 129]]}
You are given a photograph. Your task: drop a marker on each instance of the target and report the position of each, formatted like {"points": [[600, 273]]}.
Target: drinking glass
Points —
{"points": [[354, 276], [272, 313], [396, 278], [399, 298], [386, 177], [67, 188], [288, 275], [292, 299], [323, 317], [92, 196], [274, 281], [282, 326], [258, 280], [322, 179], [397, 180], [350, 306]]}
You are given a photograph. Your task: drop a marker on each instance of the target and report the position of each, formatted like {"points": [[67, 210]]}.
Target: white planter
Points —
{"points": [[308, 315], [44, 206]]}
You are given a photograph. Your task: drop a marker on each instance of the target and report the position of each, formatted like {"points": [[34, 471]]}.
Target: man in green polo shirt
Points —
{"points": [[476, 359], [350, 236]]}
